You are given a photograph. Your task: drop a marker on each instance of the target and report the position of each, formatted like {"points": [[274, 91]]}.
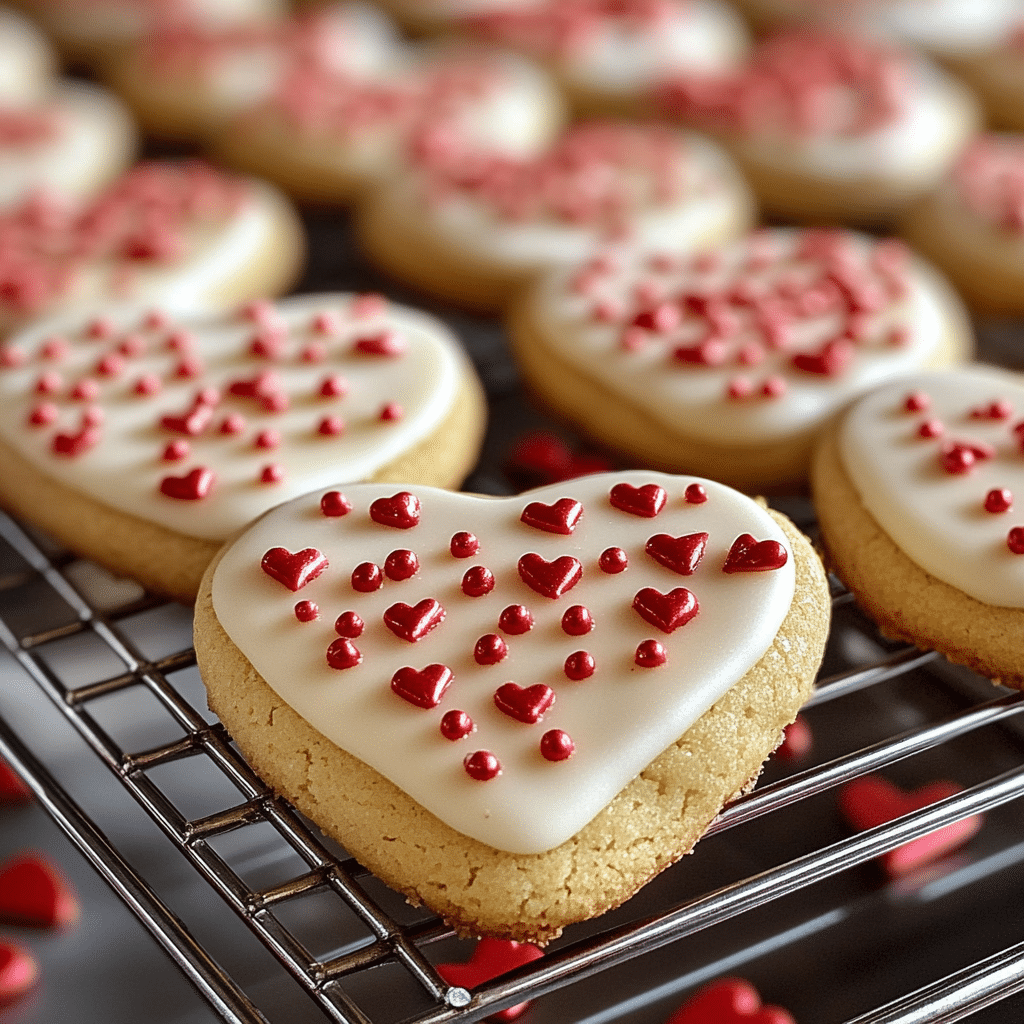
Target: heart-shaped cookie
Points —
{"points": [[729, 363], [191, 425], [514, 710]]}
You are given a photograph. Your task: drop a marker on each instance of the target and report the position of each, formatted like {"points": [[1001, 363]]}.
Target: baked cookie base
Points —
{"points": [[478, 890], [908, 603]]}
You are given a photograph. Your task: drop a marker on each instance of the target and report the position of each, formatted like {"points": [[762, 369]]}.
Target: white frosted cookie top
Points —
{"points": [[200, 422], [67, 144], [25, 60], [523, 659], [648, 184], [936, 460], [753, 343]]}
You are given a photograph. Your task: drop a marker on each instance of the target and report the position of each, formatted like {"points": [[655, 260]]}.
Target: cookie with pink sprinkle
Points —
{"points": [[729, 363], [143, 437]]}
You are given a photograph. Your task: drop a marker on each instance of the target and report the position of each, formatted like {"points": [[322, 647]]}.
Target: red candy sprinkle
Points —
{"points": [[425, 688], [331, 426], [515, 620], [556, 745], [387, 344], [1015, 540], [349, 624], [525, 704], [477, 581], [464, 545], [797, 741], [958, 459], [613, 560], [334, 504], [666, 611], [176, 451], [579, 665], [482, 765], [401, 511], [490, 958], [729, 1001], [750, 555], [695, 494], [562, 517], [490, 649], [391, 412], [233, 423], [268, 440], [650, 654], [456, 725], [414, 622], [343, 654], [577, 620], [931, 428], [366, 578], [917, 401], [680, 554], [334, 386], [550, 579], [294, 569], [999, 499], [34, 893], [43, 414], [272, 474], [401, 564], [307, 611], [194, 486], [646, 501]]}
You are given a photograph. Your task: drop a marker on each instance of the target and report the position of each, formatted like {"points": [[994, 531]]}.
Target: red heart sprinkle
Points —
{"points": [[666, 611], [402, 511], [12, 789], [401, 564], [872, 800], [646, 501], [456, 725], [32, 892], [193, 422], [556, 745], [296, 569], [490, 649], [729, 1001], [524, 704], [343, 654], [550, 579], [334, 504], [750, 555], [650, 654], [482, 765], [613, 561], [680, 554], [195, 485], [414, 622], [387, 344], [797, 741], [561, 517], [830, 361], [367, 577], [423, 687], [491, 958], [19, 971], [76, 444], [517, 619]]}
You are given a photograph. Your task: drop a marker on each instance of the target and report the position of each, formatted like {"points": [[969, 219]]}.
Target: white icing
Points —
{"points": [[620, 719], [691, 401], [94, 140], [937, 518], [25, 60], [125, 469]]}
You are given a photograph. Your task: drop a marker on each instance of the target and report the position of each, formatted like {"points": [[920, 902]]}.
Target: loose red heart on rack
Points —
{"points": [[729, 1001], [491, 958], [797, 741], [18, 971], [12, 789], [872, 801], [33, 892]]}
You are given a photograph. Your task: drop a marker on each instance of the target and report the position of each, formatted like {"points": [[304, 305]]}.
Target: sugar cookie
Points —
{"points": [[473, 227], [563, 717], [143, 441], [915, 490], [831, 127], [729, 363]]}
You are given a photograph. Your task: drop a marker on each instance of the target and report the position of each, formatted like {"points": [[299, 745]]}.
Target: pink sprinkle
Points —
{"points": [[632, 339], [180, 341], [931, 428], [325, 323], [331, 426], [148, 384], [156, 320], [85, 390], [43, 414], [605, 311], [131, 345], [233, 423], [11, 357], [268, 439], [111, 365], [175, 451], [740, 388], [917, 401], [93, 416], [334, 386], [275, 402], [313, 352], [366, 305], [773, 387], [391, 412], [189, 368], [307, 611], [54, 348], [272, 474], [49, 383], [99, 328]]}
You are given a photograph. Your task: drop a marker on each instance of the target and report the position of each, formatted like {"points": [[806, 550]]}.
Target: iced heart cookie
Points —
{"points": [[327, 138], [473, 226], [516, 711], [915, 489], [729, 363], [163, 232], [66, 144], [972, 225], [831, 127], [608, 54], [184, 80], [144, 440]]}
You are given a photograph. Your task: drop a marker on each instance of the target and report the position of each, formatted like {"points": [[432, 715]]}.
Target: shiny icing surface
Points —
{"points": [[201, 421], [905, 459], [752, 343], [521, 788]]}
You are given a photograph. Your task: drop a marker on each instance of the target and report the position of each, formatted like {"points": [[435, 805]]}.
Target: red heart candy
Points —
{"points": [[666, 611], [18, 971], [296, 569], [544, 454], [829, 361], [32, 892], [343, 654], [561, 517], [193, 422], [387, 343], [680, 554], [872, 800], [750, 555], [491, 958], [646, 501], [729, 1001], [550, 579], [402, 511], [191, 487], [797, 741], [76, 444], [414, 622], [524, 704], [424, 687], [262, 385], [12, 789]]}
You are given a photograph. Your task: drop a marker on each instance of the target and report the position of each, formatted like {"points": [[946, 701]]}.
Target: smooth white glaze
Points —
{"points": [[126, 468], [620, 718], [937, 518]]}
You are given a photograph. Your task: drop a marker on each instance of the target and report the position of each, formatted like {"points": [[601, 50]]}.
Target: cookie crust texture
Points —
{"points": [[907, 602], [172, 564], [648, 826]]}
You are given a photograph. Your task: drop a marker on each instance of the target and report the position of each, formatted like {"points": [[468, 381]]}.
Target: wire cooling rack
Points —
{"points": [[815, 896]]}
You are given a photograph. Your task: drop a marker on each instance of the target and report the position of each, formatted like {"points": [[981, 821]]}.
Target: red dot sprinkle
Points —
{"points": [[773, 387], [148, 384], [272, 474], [43, 414], [391, 412], [334, 504], [268, 439], [958, 460], [490, 649], [931, 428], [349, 624], [233, 423], [331, 426], [367, 577], [579, 665], [401, 564], [477, 581], [307, 611], [516, 619], [277, 401], [456, 725], [343, 654], [100, 327], [334, 386], [613, 560], [577, 620], [999, 499], [49, 383], [651, 654], [696, 494], [556, 745], [85, 390], [482, 765], [464, 545], [1015, 540], [917, 401], [175, 451]]}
